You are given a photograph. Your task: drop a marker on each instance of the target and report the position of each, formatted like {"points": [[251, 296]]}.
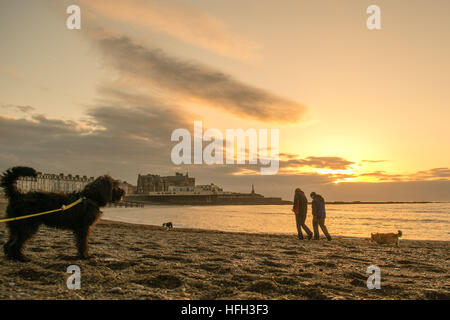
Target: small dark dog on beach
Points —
{"points": [[79, 219], [386, 238], [168, 225]]}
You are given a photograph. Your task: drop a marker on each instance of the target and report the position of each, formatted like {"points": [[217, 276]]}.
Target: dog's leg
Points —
{"points": [[7, 245], [82, 236], [15, 248]]}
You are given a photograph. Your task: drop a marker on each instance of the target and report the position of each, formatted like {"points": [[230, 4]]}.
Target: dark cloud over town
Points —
{"points": [[127, 140], [198, 81]]}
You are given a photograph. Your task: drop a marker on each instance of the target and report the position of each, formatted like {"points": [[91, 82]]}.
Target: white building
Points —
{"points": [[209, 187], [205, 189], [53, 183]]}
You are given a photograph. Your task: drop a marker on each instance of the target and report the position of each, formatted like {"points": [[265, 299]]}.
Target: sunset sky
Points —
{"points": [[363, 115]]}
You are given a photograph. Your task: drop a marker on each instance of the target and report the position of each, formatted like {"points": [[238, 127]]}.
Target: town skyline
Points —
{"points": [[67, 182]]}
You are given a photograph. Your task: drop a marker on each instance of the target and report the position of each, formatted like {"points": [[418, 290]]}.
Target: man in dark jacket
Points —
{"points": [[319, 215], [300, 209]]}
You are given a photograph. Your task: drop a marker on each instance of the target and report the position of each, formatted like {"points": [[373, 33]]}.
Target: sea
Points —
{"points": [[417, 221]]}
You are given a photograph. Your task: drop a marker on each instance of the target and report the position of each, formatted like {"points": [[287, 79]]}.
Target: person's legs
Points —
{"points": [[305, 227], [316, 228], [298, 221], [324, 228]]}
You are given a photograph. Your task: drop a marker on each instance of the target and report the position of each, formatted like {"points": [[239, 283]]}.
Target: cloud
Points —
{"points": [[433, 174], [20, 108], [181, 21], [333, 163], [426, 175], [196, 81], [118, 136], [124, 138], [387, 191], [382, 176], [374, 161], [284, 186]]}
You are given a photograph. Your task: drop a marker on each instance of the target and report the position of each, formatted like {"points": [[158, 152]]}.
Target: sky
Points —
{"points": [[362, 114]]}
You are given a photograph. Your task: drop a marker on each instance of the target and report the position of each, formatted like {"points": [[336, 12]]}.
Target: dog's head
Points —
{"points": [[104, 189], [117, 192]]}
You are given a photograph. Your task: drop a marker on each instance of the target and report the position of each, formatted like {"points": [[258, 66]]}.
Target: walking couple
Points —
{"points": [[300, 209]]}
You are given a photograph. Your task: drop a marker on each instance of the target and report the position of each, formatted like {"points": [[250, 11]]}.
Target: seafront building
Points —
{"points": [[178, 189], [179, 184], [199, 189], [53, 182], [156, 183], [128, 187], [181, 190], [61, 183]]}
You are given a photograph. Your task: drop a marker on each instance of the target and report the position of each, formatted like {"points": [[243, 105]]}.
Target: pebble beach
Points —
{"points": [[150, 262]]}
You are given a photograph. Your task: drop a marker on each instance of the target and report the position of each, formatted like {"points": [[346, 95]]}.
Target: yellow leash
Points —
{"points": [[63, 208]]}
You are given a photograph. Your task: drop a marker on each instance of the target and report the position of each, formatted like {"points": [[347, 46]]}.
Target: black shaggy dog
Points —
{"points": [[80, 218]]}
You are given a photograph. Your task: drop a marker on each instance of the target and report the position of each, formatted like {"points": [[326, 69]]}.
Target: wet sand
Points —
{"points": [[149, 262]]}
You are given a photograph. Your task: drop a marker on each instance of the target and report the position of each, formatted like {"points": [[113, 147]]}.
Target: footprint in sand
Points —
{"points": [[262, 286], [67, 257], [253, 271], [146, 268], [264, 255], [243, 277], [134, 249], [271, 263], [117, 266], [153, 246], [286, 281], [290, 252], [227, 283], [167, 258], [219, 259], [42, 276], [163, 281], [355, 275], [215, 268], [59, 267], [325, 264], [436, 294], [308, 275]]}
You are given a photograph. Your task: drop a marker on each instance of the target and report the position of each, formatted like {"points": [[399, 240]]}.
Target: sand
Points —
{"points": [[149, 262]]}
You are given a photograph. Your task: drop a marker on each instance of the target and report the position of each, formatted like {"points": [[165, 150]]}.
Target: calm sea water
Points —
{"points": [[417, 221]]}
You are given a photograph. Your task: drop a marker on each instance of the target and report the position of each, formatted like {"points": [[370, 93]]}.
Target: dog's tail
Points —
{"points": [[10, 176], [400, 233]]}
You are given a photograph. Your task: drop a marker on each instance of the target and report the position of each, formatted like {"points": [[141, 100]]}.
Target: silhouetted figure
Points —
{"points": [[300, 209], [319, 215]]}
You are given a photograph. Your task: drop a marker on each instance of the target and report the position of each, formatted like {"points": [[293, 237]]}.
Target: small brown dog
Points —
{"points": [[386, 238]]}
